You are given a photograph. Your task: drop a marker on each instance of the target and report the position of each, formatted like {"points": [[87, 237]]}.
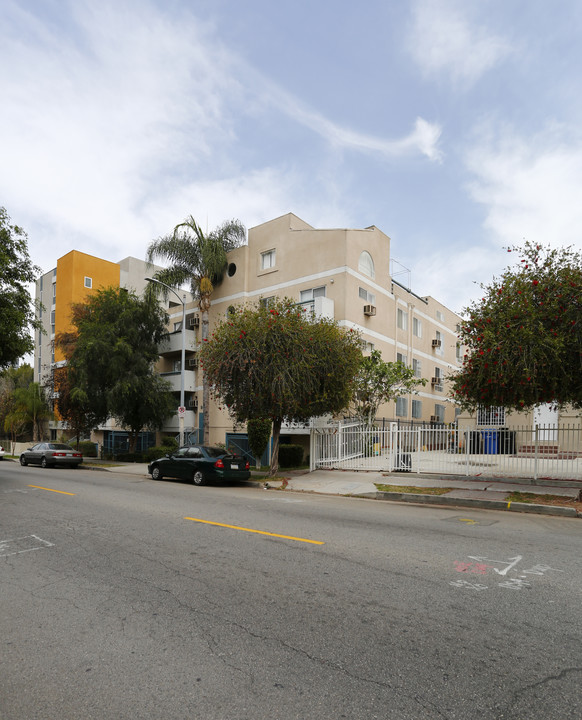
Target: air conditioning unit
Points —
{"points": [[369, 309], [435, 381], [434, 418], [436, 343], [194, 321], [193, 363], [193, 404]]}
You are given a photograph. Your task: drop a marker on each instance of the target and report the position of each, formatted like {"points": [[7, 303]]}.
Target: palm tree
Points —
{"points": [[200, 260], [32, 405]]}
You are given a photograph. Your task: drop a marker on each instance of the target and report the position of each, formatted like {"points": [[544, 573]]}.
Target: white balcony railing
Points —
{"points": [[172, 343], [172, 423], [174, 378]]}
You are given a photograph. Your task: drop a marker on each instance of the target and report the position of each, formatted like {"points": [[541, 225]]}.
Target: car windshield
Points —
{"points": [[215, 451]]}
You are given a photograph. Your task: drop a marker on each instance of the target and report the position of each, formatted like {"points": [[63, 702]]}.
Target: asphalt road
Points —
{"points": [[121, 599]]}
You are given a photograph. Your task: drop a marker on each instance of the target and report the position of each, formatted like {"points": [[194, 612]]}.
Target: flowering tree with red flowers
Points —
{"points": [[524, 337], [282, 363]]}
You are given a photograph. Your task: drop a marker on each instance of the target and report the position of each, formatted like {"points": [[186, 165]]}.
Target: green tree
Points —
{"points": [[16, 311], [31, 404], [71, 408], [524, 337], [112, 362], [199, 259], [13, 420], [259, 433], [281, 363], [378, 382]]}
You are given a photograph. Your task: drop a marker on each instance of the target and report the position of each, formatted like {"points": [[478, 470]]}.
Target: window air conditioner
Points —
{"points": [[434, 418], [193, 404], [194, 321], [435, 381], [436, 343], [369, 309], [193, 363]]}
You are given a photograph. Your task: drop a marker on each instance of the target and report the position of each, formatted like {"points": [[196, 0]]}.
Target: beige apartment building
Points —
{"points": [[340, 273], [345, 274]]}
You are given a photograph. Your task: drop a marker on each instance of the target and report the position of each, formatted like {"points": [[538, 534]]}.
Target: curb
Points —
{"points": [[485, 504]]}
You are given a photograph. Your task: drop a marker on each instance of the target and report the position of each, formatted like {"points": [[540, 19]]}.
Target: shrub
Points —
{"points": [[88, 448], [157, 452], [290, 455], [168, 442]]}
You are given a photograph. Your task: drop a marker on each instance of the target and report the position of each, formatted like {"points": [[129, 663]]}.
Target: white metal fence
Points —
{"points": [[537, 453]]}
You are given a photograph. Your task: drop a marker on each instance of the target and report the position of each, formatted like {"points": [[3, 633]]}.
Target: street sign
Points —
{"points": [[181, 411]]}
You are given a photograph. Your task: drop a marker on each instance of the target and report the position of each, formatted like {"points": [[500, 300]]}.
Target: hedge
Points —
{"points": [[290, 456]]}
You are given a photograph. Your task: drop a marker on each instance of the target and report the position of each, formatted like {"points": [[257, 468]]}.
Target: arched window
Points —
{"points": [[366, 264]]}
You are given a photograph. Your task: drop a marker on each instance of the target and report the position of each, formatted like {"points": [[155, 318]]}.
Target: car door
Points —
{"points": [[195, 462], [174, 465], [35, 453]]}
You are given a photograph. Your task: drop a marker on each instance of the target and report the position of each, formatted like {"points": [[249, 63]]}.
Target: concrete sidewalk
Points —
{"points": [[464, 492]]}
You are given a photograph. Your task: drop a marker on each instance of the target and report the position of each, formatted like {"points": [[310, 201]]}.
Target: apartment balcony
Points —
{"points": [[172, 343], [174, 378], [172, 424]]}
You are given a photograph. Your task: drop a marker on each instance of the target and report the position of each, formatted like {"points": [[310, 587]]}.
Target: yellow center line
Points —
{"points": [[38, 487], [259, 532]]}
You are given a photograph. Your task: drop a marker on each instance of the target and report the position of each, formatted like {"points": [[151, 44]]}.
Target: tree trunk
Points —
{"points": [[132, 440], [275, 454], [204, 305]]}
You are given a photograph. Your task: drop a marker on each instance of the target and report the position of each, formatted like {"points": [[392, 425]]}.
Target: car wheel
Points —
{"points": [[23, 461], [43, 463], [198, 478], [156, 473]]}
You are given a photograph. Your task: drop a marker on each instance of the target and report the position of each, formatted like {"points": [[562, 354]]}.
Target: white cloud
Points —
{"points": [[531, 188], [444, 40], [423, 138]]}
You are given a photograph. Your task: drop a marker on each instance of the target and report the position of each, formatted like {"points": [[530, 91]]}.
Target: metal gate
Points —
{"points": [[490, 452]]}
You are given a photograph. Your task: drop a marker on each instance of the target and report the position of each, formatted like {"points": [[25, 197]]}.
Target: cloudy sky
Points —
{"points": [[453, 126]]}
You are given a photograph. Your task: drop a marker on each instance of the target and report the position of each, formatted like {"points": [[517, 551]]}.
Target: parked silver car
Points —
{"points": [[49, 454]]}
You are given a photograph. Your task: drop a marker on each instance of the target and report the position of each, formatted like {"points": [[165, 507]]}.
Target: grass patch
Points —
{"points": [[534, 498], [414, 490]]}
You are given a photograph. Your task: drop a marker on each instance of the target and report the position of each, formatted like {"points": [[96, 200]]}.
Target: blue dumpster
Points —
{"points": [[489, 442]]}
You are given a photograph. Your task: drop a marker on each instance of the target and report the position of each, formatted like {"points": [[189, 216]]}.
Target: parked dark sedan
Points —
{"points": [[201, 465], [49, 454]]}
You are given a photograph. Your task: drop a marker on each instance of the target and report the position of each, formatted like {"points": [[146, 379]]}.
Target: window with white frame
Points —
{"points": [[490, 416], [366, 264], [400, 357], [439, 379], [401, 407], [312, 293], [177, 326], [416, 327], [268, 259], [439, 348], [177, 365], [440, 316], [459, 352], [417, 409], [367, 296], [402, 319], [88, 282], [417, 368], [266, 302]]}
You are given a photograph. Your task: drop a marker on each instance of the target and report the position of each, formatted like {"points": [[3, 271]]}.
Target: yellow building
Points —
{"points": [[79, 275]]}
